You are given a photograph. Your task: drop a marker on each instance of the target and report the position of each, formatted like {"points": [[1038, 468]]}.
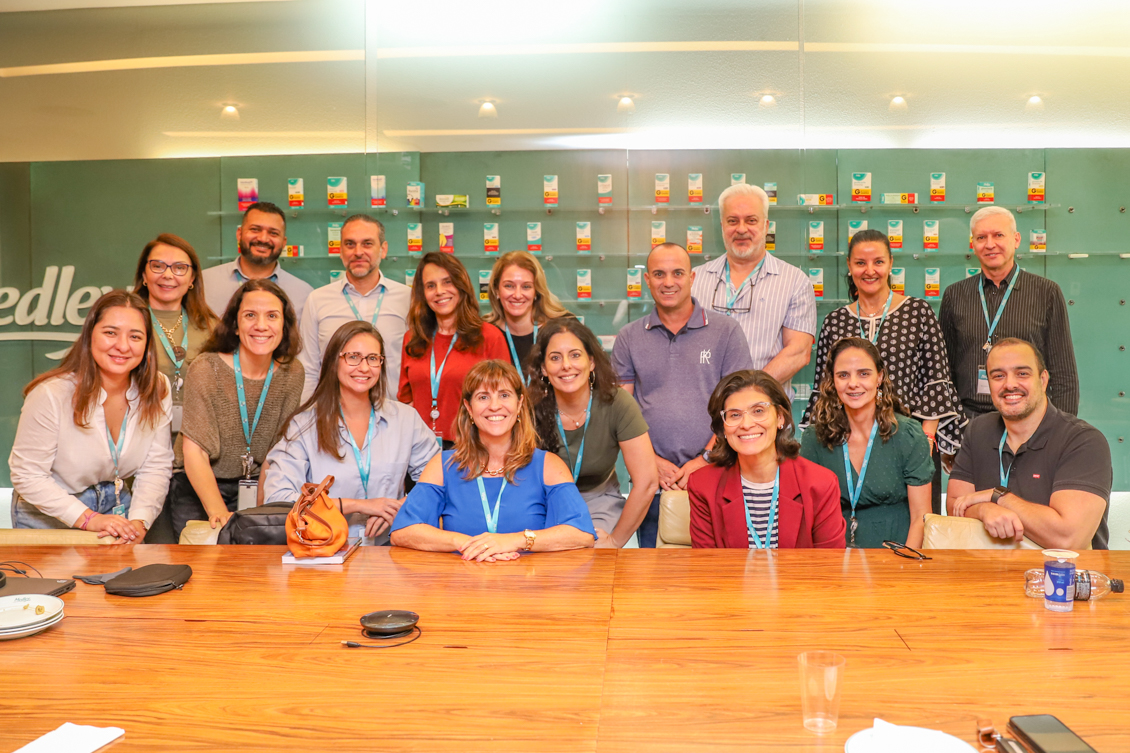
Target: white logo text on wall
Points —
{"points": [[52, 303]]}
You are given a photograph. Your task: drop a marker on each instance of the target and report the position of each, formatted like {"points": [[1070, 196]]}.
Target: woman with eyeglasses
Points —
{"points": [[520, 302], [495, 494], [168, 279], [862, 432], [348, 429], [584, 417], [757, 493]]}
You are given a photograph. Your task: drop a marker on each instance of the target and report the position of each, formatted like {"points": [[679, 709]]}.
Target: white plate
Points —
{"points": [[50, 621], [32, 630], [916, 738], [19, 611]]}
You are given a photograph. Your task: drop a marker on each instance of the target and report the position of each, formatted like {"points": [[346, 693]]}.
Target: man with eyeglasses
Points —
{"points": [[771, 300], [261, 237], [363, 293], [1031, 469], [671, 360]]}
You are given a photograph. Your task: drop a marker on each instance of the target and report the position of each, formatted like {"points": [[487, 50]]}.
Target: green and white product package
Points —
{"points": [[494, 190], [933, 282], [861, 187], [894, 234], [584, 283], [816, 277], [533, 237], [549, 190], [635, 282], [415, 238], [295, 194], [930, 235], [694, 239], [937, 187], [658, 232], [484, 284], [333, 235], [447, 237], [584, 237], [490, 238], [855, 226], [816, 236], [415, 194], [694, 188], [771, 192], [1038, 240], [898, 279], [662, 188], [337, 192], [604, 189], [377, 191], [736, 178]]}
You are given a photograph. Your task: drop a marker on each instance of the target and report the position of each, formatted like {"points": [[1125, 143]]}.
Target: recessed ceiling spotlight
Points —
{"points": [[898, 104], [1034, 103], [767, 100], [488, 110], [229, 112], [626, 105]]}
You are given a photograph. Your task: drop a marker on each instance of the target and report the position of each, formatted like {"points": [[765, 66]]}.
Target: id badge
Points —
{"points": [[178, 413], [248, 494], [982, 381]]}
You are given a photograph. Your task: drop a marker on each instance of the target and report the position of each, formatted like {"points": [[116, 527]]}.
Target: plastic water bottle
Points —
{"points": [[1059, 579], [1089, 584]]}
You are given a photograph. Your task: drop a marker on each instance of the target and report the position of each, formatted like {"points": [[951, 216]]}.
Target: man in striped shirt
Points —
{"points": [[771, 300]]}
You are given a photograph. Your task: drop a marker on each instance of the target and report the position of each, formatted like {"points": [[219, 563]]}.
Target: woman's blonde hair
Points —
{"points": [[470, 455], [546, 304], [829, 417]]}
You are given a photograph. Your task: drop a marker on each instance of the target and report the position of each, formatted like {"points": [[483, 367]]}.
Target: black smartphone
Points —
{"points": [[1043, 733]]}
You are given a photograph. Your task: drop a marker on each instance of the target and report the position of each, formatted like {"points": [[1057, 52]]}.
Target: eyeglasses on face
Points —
{"points": [[759, 411], [902, 549], [355, 359], [158, 267]]}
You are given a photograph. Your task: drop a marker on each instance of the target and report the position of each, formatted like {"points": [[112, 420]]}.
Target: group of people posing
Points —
{"points": [[490, 435]]}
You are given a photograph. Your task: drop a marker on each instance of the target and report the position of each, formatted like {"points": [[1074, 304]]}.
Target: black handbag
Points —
{"points": [[149, 580], [265, 524]]}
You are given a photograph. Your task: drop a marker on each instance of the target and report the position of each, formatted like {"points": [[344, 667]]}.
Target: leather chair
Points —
{"points": [[948, 532], [674, 521], [51, 537]]}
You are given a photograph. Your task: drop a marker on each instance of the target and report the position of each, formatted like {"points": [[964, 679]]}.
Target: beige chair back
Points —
{"points": [[51, 537], [674, 521], [948, 532], [199, 532]]}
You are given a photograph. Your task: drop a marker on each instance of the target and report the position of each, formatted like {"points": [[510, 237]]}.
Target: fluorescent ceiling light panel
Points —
{"points": [[186, 61], [985, 49], [451, 51], [505, 132]]}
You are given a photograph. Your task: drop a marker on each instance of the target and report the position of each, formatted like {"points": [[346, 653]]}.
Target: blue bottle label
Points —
{"points": [[1059, 582]]}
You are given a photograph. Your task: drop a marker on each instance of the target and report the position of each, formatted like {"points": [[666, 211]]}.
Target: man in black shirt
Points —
{"points": [[1030, 468]]}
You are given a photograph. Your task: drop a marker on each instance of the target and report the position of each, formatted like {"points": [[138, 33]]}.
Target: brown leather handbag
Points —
{"points": [[315, 526]]}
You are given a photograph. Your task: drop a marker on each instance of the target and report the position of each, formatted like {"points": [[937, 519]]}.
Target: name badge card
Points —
{"points": [[662, 188], [898, 279], [333, 233], [635, 283], [494, 190], [337, 192], [1038, 240], [415, 238], [604, 189], [930, 235], [658, 233], [295, 195], [549, 191], [584, 283], [248, 496], [937, 186], [982, 381], [933, 282], [447, 237], [694, 239], [771, 236], [694, 188], [861, 186], [985, 193], [377, 191], [247, 191], [894, 233], [1036, 193], [584, 237], [816, 277], [816, 235], [771, 192], [533, 237], [490, 237]]}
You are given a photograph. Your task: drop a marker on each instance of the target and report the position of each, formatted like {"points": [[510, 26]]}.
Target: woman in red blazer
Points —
{"points": [[757, 493]]}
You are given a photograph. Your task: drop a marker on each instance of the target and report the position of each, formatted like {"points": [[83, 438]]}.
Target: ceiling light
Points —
{"points": [[898, 104], [487, 109], [229, 112], [767, 100], [626, 105], [1035, 103]]}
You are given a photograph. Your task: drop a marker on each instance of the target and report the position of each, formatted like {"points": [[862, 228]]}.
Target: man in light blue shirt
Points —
{"points": [[262, 238], [363, 294]]}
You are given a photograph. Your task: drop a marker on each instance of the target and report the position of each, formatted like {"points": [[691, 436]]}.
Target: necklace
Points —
{"points": [[178, 351], [576, 423], [493, 474]]}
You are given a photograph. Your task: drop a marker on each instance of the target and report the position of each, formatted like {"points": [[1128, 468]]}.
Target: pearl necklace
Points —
{"points": [[493, 474]]}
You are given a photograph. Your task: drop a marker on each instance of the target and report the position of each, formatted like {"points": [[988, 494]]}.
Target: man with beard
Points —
{"points": [[1052, 476], [364, 294], [771, 300], [262, 238]]}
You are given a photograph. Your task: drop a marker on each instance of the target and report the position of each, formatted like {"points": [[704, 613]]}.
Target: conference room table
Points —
{"points": [[593, 650]]}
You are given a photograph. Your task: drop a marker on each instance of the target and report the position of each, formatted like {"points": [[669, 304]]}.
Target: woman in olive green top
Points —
{"points": [[168, 279], [584, 417], [861, 432]]}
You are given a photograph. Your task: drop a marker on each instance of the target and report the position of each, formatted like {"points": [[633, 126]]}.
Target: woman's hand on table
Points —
{"points": [[487, 547]]}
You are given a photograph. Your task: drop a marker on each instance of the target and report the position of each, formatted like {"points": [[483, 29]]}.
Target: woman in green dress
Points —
{"points": [[863, 433]]}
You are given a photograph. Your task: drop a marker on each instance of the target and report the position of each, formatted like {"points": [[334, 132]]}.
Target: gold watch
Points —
{"points": [[531, 537]]}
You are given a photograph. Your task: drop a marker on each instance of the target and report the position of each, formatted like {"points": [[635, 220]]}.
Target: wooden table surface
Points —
{"points": [[669, 650]]}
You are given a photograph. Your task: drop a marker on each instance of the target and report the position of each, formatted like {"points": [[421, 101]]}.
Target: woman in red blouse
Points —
{"points": [[445, 338]]}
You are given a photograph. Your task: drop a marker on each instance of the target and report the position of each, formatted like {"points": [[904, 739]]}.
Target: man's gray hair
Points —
{"points": [[987, 212], [742, 189]]}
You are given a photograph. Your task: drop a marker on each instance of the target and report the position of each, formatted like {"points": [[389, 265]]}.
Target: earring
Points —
{"points": [[592, 379], [545, 380], [880, 394], [190, 286]]}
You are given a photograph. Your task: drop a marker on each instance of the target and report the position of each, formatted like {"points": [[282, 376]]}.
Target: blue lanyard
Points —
{"points": [[116, 447], [514, 351], [363, 466], [581, 449], [437, 375], [250, 432], [1000, 309], [855, 492], [859, 313], [492, 517], [169, 350], [1000, 460], [356, 313], [732, 298], [757, 542]]}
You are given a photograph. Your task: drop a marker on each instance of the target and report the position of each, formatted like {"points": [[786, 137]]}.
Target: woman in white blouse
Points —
{"points": [[351, 430], [89, 426]]}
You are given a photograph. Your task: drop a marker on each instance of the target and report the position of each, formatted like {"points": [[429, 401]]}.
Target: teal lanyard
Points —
{"points": [[249, 432], [859, 313], [436, 376], [363, 465], [1000, 309], [514, 351], [169, 349], [581, 449], [356, 313], [757, 542], [732, 298], [855, 492], [116, 456], [492, 517], [1000, 458]]}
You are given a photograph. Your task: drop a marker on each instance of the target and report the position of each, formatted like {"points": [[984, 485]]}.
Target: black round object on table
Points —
{"points": [[389, 623]]}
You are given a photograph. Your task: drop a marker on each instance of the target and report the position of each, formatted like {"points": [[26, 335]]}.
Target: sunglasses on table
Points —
{"points": [[902, 551]]}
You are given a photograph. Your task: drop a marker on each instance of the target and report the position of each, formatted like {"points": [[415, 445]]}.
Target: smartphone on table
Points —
{"points": [[1043, 733]]}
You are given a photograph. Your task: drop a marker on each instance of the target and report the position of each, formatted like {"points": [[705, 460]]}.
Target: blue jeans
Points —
{"points": [[99, 498], [649, 528]]}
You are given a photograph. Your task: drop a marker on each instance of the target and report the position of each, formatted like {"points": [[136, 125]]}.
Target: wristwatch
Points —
{"points": [[531, 537], [998, 492]]}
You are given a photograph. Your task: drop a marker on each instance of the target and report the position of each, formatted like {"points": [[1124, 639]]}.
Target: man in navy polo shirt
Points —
{"points": [[671, 361], [1029, 469]]}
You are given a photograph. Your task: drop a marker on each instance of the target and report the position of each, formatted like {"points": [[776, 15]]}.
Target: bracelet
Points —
{"points": [[89, 514]]}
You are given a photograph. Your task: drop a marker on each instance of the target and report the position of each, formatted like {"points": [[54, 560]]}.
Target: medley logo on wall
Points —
{"points": [[52, 304]]}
